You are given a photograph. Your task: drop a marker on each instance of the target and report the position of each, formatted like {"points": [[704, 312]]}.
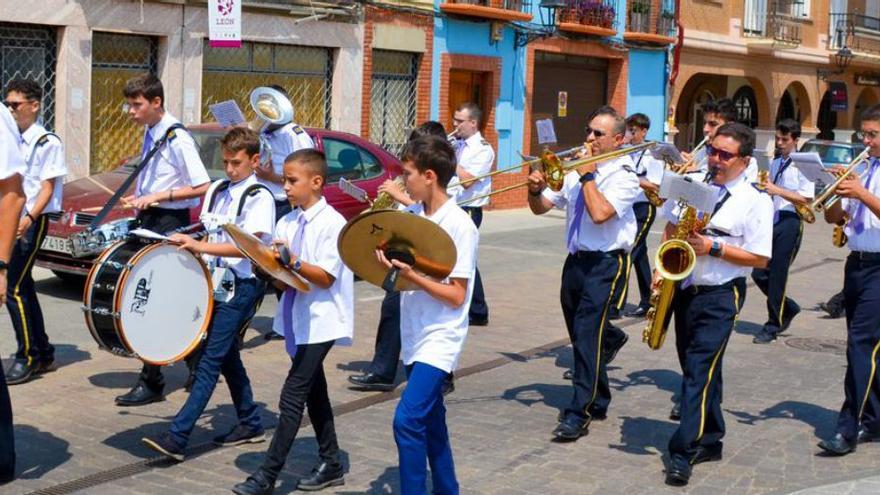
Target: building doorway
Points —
{"points": [[466, 86], [827, 120]]}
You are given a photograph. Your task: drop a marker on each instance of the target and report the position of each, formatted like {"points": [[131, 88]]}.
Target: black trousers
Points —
{"points": [[638, 258], [387, 351], [588, 282], [479, 309], [7, 439], [704, 319], [21, 298], [787, 234], [161, 220], [305, 385], [861, 290]]}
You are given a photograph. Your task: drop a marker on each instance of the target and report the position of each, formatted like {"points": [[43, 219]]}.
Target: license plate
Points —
{"points": [[56, 244]]}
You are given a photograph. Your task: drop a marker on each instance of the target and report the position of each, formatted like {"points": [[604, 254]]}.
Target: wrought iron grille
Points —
{"points": [[29, 52], [393, 98], [305, 72], [116, 58]]}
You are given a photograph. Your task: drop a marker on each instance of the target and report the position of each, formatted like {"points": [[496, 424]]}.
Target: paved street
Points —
{"points": [[779, 398]]}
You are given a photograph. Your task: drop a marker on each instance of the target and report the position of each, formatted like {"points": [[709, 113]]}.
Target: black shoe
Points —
{"points": [[371, 382], [20, 372], [241, 434], [570, 429], [568, 374], [46, 366], [478, 322], [140, 395], [256, 484], [678, 473], [866, 435], [609, 352], [322, 476], [837, 445], [675, 412], [597, 415], [449, 385], [789, 316], [613, 314], [166, 446], [639, 312], [270, 336], [764, 337], [708, 453]]}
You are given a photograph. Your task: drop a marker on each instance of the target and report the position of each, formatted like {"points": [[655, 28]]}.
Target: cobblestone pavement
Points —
{"points": [[779, 398]]}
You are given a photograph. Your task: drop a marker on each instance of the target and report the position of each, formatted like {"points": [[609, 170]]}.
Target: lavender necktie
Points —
{"points": [[290, 294], [459, 148], [859, 217], [575, 226]]}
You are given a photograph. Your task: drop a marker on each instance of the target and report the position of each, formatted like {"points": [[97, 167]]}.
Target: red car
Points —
{"points": [[349, 156]]}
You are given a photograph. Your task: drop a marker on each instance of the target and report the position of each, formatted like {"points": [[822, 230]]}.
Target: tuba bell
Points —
{"points": [[272, 109]]}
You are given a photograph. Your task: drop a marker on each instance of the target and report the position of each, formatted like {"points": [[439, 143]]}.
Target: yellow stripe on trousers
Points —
{"points": [[870, 380], [16, 293], [629, 262], [712, 368], [602, 330]]}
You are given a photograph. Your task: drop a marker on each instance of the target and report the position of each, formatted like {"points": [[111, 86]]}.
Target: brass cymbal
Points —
{"points": [[399, 234], [263, 256]]}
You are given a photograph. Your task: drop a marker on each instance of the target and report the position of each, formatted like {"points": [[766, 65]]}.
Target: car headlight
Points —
{"points": [[90, 242]]}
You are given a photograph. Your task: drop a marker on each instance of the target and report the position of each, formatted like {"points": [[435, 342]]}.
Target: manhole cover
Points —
{"points": [[828, 346]]}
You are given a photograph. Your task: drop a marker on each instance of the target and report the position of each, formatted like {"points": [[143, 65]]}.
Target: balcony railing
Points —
{"points": [[596, 17], [499, 10], [856, 31], [639, 16], [781, 22], [645, 26]]}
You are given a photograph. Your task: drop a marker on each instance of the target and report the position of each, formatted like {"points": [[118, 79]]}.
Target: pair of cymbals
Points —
{"points": [[263, 256], [413, 239]]}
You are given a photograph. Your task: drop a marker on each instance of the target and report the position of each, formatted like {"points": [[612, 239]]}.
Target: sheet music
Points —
{"points": [[352, 190], [667, 152], [678, 188], [149, 234], [227, 113], [546, 132], [810, 164], [763, 161]]}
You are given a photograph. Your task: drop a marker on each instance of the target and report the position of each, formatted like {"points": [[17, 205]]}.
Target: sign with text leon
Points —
{"points": [[224, 23]]}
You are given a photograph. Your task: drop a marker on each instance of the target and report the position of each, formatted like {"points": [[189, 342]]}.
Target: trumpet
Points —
{"points": [[383, 200], [826, 199], [453, 135]]}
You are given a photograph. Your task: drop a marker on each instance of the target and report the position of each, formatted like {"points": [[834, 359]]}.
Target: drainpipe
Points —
{"points": [[676, 61]]}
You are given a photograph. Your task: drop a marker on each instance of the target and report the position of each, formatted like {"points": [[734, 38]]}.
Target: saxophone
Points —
{"points": [[838, 236]]}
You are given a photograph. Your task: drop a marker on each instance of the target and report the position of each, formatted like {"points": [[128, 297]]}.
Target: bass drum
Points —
{"points": [[151, 301]]}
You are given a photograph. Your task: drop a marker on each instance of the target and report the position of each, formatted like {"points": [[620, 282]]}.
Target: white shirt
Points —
{"points": [[257, 217], [620, 186], [649, 168], [792, 179], [476, 157], [869, 239], [745, 221], [44, 159], [175, 165], [11, 161], [320, 315], [431, 331], [284, 141]]}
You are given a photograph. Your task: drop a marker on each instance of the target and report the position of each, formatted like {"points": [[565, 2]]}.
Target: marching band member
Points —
{"points": [[474, 156], [434, 322], [175, 178], [859, 418], [12, 199], [650, 173], [43, 183], [715, 114], [786, 185], [737, 238], [601, 227], [241, 200], [312, 323]]}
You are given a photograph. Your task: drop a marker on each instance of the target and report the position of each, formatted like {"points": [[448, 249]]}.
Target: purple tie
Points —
{"points": [[459, 147], [290, 294], [575, 226], [859, 217]]}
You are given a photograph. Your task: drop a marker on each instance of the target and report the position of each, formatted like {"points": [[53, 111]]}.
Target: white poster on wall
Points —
{"points": [[224, 23]]}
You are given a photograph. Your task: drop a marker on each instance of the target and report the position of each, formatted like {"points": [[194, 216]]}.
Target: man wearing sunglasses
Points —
{"points": [[787, 186], [737, 239], [716, 113], [600, 229], [43, 155], [859, 418]]}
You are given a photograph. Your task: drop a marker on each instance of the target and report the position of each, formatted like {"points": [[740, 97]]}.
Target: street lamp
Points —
{"points": [[842, 59], [528, 33]]}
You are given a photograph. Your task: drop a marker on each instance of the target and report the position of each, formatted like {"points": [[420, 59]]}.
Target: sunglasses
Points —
{"points": [[13, 105], [721, 154], [869, 134], [596, 132]]}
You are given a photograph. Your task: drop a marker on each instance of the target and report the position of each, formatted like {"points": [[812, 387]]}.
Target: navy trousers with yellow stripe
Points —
{"points": [[704, 319], [588, 282], [21, 298], [787, 233], [638, 258], [861, 291]]}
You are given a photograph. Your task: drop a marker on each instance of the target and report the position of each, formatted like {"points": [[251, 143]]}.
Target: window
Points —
{"points": [[393, 98], [349, 160], [746, 106]]}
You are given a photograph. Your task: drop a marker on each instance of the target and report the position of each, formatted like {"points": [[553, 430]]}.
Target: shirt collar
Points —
{"points": [[312, 212], [32, 133], [438, 215], [279, 131], [738, 185], [159, 129], [474, 140], [244, 183]]}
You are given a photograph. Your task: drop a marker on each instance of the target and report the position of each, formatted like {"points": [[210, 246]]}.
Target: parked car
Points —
{"points": [[834, 153], [349, 156]]}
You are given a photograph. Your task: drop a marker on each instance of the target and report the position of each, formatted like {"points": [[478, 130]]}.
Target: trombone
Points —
{"points": [[826, 199], [529, 163]]}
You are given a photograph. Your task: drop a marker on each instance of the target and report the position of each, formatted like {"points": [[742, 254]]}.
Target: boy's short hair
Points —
{"points": [[724, 108], [431, 153], [147, 85], [241, 138], [740, 133], [428, 128], [639, 120], [789, 127], [872, 113], [27, 87], [312, 159]]}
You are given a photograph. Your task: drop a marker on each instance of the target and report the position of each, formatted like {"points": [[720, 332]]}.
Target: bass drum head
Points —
{"points": [[164, 303]]}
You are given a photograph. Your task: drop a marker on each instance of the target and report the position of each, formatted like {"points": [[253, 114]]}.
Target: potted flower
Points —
{"points": [[571, 12]]}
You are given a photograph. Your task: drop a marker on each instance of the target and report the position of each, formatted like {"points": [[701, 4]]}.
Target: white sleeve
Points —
{"points": [[654, 169], [758, 230], [805, 188], [259, 217], [328, 258], [480, 163], [621, 191], [11, 160], [466, 239], [752, 170], [185, 152], [302, 141], [52, 159]]}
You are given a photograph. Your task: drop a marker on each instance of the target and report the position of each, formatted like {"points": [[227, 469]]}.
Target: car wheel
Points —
{"points": [[71, 279]]}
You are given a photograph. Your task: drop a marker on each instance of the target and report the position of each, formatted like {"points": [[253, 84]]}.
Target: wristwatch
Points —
{"points": [[587, 177], [297, 265], [715, 250]]}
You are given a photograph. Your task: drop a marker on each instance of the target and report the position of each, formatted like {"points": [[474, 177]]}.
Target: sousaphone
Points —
{"points": [[403, 236], [272, 109], [263, 257]]}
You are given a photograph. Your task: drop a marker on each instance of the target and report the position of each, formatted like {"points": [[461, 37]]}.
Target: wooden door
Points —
{"points": [[466, 86]]}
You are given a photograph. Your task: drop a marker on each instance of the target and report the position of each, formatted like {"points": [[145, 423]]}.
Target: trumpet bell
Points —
{"points": [[271, 105], [409, 238]]}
